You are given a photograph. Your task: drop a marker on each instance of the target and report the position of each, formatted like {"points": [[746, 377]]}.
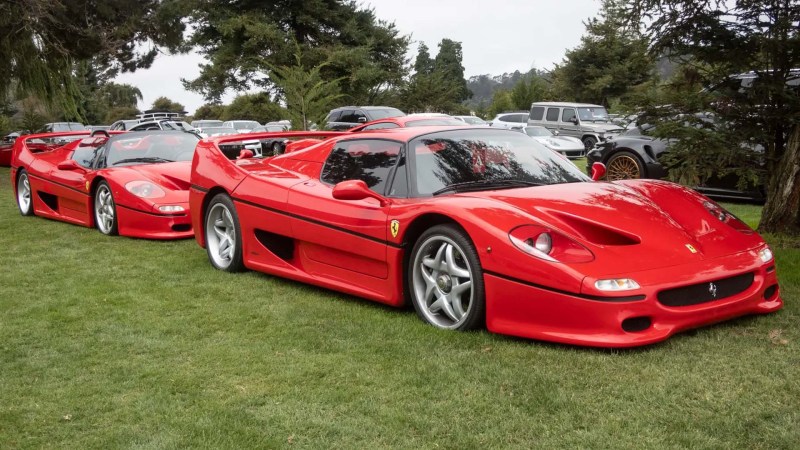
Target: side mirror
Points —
{"points": [[70, 164], [574, 120], [362, 119], [556, 132], [598, 171], [245, 154], [356, 190]]}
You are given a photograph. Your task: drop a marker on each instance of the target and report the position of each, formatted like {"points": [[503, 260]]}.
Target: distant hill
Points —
{"points": [[484, 86]]}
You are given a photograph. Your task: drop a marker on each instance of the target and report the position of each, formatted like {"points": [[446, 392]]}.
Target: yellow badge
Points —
{"points": [[87, 185], [691, 249], [394, 227]]}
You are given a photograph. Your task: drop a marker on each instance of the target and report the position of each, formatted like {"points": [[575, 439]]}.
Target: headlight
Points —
{"points": [[145, 189], [171, 208], [548, 245], [617, 284], [765, 254]]}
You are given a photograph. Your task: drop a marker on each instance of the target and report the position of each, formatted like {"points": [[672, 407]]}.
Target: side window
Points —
{"points": [[537, 113], [333, 116], [568, 115], [521, 118], [552, 114], [369, 160], [399, 187], [348, 115], [381, 126], [84, 156], [361, 117]]}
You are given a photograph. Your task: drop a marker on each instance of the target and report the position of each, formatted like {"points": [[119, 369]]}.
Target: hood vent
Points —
{"points": [[596, 233]]}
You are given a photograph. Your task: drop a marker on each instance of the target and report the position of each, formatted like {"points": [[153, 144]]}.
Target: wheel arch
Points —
{"points": [[92, 192], [204, 209]]}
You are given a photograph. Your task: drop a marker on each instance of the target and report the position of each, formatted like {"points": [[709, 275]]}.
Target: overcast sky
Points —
{"points": [[496, 37]]}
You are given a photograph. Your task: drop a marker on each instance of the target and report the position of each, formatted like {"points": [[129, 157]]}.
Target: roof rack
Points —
{"points": [[156, 114]]}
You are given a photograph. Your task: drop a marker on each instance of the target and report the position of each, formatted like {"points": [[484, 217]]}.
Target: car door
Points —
{"points": [[70, 185], [551, 119], [567, 125], [347, 238]]}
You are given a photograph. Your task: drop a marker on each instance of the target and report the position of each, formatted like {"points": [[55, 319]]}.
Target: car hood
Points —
{"points": [[602, 127], [560, 142], [634, 225], [173, 175]]}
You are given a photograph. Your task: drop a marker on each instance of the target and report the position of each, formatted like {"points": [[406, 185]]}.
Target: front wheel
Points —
{"points": [[624, 166], [105, 211], [445, 279], [24, 194], [223, 234], [589, 142]]}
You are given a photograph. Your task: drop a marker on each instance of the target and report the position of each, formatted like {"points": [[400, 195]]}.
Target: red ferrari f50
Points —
{"points": [[482, 227]]}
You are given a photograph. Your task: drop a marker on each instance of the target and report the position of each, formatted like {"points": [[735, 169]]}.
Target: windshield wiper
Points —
{"points": [[484, 184], [150, 159]]}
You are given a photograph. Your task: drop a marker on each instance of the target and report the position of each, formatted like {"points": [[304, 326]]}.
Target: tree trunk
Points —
{"points": [[781, 213]]}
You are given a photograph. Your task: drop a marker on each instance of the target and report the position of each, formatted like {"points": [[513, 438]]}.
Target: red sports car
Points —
{"points": [[479, 226], [133, 184]]}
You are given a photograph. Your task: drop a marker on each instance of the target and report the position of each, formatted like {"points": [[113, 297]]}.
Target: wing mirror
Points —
{"points": [[556, 132], [362, 119], [598, 171], [574, 120], [245, 154], [356, 190], [70, 164]]}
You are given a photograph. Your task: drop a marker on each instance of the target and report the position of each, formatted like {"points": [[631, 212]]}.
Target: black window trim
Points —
{"points": [[389, 176]]}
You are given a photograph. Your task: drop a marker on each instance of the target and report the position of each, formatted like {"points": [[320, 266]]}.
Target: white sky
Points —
{"points": [[496, 36]]}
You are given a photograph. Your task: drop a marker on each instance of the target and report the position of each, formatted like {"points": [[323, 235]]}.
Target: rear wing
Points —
{"points": [[46, 142], [267, 144]]}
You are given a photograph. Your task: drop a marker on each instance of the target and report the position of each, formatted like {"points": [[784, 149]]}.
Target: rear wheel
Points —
{"points": [[445, 279], [24, 194], [588, 142], [624, 166], [223, 234]]}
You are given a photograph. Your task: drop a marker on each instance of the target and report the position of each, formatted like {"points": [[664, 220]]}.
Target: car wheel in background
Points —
{"points": [[624, 166], [24, 194], [105, 211], [223, 234], [445, 279], [589, 142]]}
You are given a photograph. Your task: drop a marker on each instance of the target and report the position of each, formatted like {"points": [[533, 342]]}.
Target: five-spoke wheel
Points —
{"points": [[624, 166], [24, 197], [223, 236], [446, 279], [105, 212]]}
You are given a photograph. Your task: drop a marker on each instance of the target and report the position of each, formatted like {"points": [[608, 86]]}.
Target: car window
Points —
{"points": [[436, 121], [348, 115], [537, 113], [385, 113], [552, 114], [334, 116], [568, 115], [381, 126], [369, 160]]}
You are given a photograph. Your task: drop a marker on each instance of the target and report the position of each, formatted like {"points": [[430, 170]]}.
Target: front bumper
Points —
{"points": [[148, 225], [531, 311]]}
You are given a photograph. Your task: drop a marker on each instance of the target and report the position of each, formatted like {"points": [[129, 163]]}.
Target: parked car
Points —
{"points": [[414, 120], [206, 123], [123, 125], [57, 127], [347, 117], [635, 154], [483, 227], [242, 126], [163, 125], [472, 120], [133, 184], [512, 120], [587, 122], [6, 146], [569, 146]]}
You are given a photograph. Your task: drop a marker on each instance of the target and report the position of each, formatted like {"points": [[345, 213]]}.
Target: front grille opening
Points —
{"points": [[182, 227], [770, 269], [635, 324], [707, 291], [770, 292]]}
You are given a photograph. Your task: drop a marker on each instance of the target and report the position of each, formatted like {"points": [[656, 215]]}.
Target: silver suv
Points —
{"points": [[587, 122]]}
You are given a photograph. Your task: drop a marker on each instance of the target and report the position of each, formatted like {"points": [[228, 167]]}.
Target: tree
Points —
{"points": [[258, 107], [532, 88], [243, 41], [42, 40], [423, 64], [501, 102], [719, 38], [448, 65], [165, 104], [611, 59], [308, 97], [213, 111]]}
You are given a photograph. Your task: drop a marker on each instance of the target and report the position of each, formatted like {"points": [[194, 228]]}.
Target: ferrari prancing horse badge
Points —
{"points": [[394, 227]]}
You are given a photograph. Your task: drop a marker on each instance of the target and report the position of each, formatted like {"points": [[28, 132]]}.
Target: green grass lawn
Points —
{"points": [[123, 343]]}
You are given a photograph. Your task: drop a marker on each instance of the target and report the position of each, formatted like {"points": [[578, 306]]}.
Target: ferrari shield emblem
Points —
{"points": [[394, 227], [87, 185], [691, 249]]}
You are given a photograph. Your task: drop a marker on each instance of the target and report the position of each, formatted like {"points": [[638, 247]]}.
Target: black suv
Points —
{"points": [[347, 117]]}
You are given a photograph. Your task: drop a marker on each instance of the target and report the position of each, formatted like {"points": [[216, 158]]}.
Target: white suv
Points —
{"points": [[513, 120]]}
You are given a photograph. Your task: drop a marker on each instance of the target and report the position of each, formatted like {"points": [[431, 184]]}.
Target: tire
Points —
{"points": [[223, 234], [624, 166], [588, 142], [105, 210], [24, 193], [277, 148], [445, 280]]}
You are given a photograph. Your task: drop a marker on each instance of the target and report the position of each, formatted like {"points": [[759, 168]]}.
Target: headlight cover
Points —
{"points": [[765, 254], [726, 217], [548, 245], [145, 189]]}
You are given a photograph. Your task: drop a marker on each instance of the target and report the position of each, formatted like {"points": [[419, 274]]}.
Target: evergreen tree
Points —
{"points": [[308, 97], [423, 64], [448, 65], [165, 104], [259, 107]]}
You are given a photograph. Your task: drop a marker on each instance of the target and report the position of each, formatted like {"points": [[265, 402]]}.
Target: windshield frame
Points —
{"points": [[140, 136]]}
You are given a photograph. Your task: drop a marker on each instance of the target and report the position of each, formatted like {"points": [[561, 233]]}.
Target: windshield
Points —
{"points": [[245, 125], [385, 113], [482, 155], [537, 131], [150, 147], [596, 113], [473, 120], [206, 123], [216, 131]]}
